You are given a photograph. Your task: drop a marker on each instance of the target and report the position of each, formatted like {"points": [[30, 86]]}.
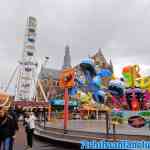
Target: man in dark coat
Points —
{"points": [[8, 127]]}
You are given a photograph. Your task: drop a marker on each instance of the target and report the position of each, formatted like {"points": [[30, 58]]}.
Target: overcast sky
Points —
{"points": [[120, 27]]}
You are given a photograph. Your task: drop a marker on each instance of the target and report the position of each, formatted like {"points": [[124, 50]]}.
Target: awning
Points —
{"points": [[87, 108], [60, 102], [30, 104]]}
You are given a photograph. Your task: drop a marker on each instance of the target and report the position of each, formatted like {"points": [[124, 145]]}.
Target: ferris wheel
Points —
{"points": [[28, 66]]}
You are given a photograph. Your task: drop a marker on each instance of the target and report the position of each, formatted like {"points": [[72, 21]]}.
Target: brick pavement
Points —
{"points": [[20, 142]]}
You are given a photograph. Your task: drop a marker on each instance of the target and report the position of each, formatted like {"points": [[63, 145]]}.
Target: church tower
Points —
{"points": [[67, 58]]}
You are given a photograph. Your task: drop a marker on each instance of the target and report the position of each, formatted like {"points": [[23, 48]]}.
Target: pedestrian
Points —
{"points": [[12, 112], [8, 127], [29, 128]]}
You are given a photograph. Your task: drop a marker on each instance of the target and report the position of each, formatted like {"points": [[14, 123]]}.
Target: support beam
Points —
{"points": [[42, 90], [11, 79]]}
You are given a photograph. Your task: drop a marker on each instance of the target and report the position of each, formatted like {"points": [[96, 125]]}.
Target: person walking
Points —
{"points": [[29, 128], [8, 127]]}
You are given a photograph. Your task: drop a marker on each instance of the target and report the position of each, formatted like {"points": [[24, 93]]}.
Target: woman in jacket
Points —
{"points": [[29, 127]]}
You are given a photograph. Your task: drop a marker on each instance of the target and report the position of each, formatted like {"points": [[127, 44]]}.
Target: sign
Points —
{"points": [[136, 121], [66, 79]]}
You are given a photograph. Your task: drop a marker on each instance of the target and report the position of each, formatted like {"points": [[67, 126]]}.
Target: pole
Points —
{"points": [[11, 78], [49, 112], [66, 99], [97, 114], [46, 99], [133, 76], [107, 123], [42, 90], [114, 131], [44, 118]]}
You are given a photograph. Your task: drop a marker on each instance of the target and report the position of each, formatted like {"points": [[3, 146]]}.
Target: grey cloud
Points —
{"points": [[120, 28]]}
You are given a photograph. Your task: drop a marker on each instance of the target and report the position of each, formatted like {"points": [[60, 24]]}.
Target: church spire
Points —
{"points": [[67, 58]]}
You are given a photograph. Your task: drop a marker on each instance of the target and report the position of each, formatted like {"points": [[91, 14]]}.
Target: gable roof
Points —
{"points": [[46, 72]]}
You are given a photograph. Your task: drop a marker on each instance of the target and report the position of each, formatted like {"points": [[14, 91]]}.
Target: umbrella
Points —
{"points": [[87, 64], [133, 90], [137, 90], [97, 81], [73, 91], [87, 61], [129, 91], [99, 96], [116, 87], [104, 73]]}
